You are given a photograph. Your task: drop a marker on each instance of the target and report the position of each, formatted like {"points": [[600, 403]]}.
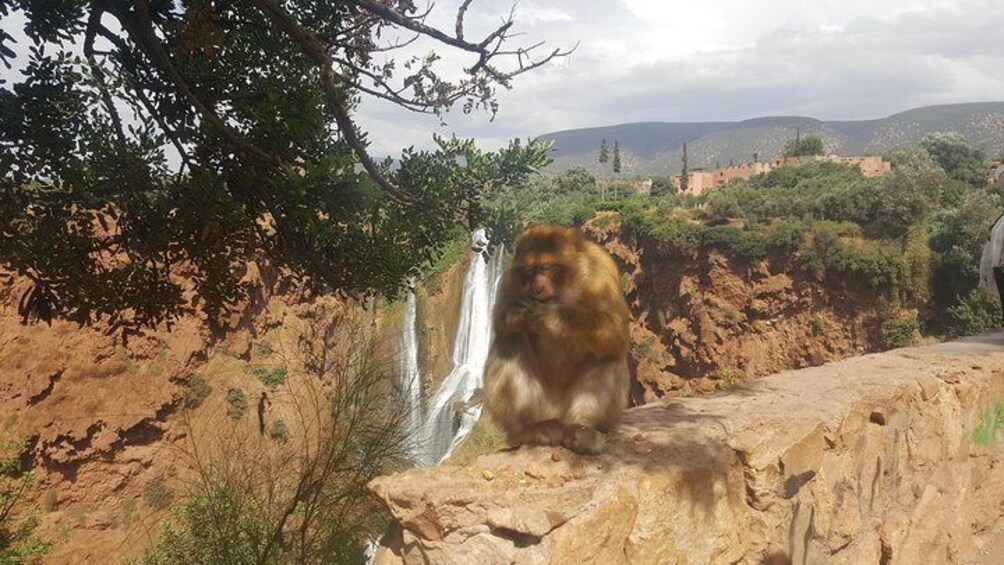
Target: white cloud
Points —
{"points": [[651, 60], [667, 60]]}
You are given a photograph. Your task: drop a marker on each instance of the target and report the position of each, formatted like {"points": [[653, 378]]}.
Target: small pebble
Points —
{"points": [[488, 475], [555, 457]]}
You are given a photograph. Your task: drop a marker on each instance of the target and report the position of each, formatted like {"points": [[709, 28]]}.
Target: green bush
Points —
{"points": [[265, 348], [975, 313], [156, 495], [271, 377], [237, 404], [457, 243], [745, 245], [898, 332], [278, 431], [198, 390]]}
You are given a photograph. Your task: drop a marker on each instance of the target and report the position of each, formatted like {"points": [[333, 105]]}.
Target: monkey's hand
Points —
{"points": [[517, 316]]}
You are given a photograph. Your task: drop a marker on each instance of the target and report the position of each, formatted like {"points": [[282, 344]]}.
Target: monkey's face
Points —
{"points": [[542, 279]]}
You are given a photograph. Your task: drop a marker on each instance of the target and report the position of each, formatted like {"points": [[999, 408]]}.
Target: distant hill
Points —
{"points": [[657, 147]]}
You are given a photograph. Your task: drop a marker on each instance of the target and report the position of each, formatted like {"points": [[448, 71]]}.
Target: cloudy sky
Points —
{"points": [[672, 60], [701, 60]]}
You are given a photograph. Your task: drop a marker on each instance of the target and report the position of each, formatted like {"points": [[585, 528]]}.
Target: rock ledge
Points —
{"points": [[867, 460]]}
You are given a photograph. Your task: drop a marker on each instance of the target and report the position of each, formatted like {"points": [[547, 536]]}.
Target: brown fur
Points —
{"points": [[557, 372]]}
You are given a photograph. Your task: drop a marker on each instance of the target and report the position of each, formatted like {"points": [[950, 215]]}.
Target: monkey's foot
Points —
{"points": [[548, 432], [586, 441]]}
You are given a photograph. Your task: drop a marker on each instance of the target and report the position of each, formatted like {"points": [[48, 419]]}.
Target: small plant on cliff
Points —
{"points": [[817, 325], [157, 495], [265, 348], [278, 431], [272, 378], [725, 378], [643, 348], [51, 500], [993, 420], [457, 242], [18, 541], [198, 390], [237, 404]]}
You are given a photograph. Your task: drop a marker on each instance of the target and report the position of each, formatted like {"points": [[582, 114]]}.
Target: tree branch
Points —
{"points": [[129, 62], [461, 12], [483, 48], [93, 23], [140, 29], [334, 87]]}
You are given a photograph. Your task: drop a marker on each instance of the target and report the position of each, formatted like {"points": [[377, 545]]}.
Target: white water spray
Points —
{"points": [[450, 414]]}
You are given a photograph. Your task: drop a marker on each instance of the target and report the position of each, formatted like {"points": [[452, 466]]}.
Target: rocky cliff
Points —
{"points": [[887, 458]]}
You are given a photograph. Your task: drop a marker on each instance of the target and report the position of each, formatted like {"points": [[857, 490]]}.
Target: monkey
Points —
{"points": [[557, 368]]}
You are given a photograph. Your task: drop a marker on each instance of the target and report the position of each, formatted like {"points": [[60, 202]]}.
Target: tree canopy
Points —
{"points": [[153, 144], [802, 146], [960, 159]]}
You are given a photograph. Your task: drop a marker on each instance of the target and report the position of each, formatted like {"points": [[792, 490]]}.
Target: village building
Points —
{"points": [[700, 181]]}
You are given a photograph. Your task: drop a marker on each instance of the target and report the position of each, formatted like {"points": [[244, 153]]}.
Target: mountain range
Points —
{"points": [[656, 148]]}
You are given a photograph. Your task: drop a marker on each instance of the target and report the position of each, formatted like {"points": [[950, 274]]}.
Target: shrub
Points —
{"points": [[898, 332], [278, 431], [673, 235], [156, 495], [237, 404], [198, 391], [976, 313], [265, 348], [457, 243], [745, 245], [272, 378]]}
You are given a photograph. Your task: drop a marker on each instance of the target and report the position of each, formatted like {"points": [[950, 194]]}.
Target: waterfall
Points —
{"points": [[411, 378], [451, 413]]}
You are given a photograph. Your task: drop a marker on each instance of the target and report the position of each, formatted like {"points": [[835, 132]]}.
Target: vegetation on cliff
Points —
{"points": [[18, 541], [912, 239], [296, 493]]}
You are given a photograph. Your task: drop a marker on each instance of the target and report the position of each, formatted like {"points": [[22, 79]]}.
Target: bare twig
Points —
{"points": [[486, 49]]}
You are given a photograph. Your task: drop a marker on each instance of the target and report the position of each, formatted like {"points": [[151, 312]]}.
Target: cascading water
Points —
{"points": [[450, 412], [411, 378]]}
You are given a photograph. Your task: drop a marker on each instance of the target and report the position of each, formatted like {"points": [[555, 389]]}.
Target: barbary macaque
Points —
{"points": [[557, 372]]}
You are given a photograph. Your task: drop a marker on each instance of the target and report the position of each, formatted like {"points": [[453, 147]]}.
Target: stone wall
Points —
{"points": [[868, 460]]}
